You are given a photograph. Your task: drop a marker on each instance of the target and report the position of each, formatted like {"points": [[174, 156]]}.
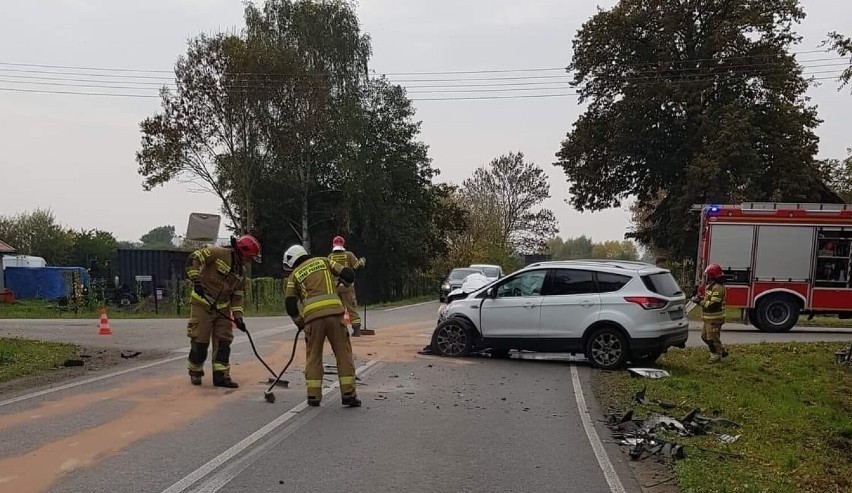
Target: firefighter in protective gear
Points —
{"points": [[713, 311], [340, 255], [312, 284], [218, 280]]}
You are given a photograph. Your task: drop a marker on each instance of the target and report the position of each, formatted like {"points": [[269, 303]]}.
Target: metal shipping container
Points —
{"points": [[165, 266]]}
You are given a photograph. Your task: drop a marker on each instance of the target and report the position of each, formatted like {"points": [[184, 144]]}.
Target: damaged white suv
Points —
{"points": [[610, 311]]}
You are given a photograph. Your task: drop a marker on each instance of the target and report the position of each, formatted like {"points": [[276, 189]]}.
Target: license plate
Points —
{"points": [[676, 314]]}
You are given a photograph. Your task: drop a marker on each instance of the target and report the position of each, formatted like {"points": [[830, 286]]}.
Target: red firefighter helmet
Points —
{"points": [[248, 247], [714, 271], [338, 241]]}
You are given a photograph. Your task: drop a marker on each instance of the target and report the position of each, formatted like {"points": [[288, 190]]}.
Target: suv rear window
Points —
{"points": [[662, 283], [610, 283]]}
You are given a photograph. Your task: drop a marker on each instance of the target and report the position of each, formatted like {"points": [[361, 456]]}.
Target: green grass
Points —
{"points": [[793, 402], [733, 316], [19, 357]]}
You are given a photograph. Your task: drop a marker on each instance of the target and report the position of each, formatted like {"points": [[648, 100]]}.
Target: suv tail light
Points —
{"points": [[647, 302]]}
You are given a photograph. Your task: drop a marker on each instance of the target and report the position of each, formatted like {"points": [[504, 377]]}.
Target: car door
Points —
{"points": [[514, 309], [570, 304]]}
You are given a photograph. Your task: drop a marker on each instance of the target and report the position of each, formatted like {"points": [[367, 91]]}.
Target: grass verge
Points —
{"points": [[19, 357], [734, 316], [793, 402]]}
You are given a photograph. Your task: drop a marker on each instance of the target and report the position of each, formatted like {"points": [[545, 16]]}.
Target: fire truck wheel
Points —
{"points": [[777, 313]]}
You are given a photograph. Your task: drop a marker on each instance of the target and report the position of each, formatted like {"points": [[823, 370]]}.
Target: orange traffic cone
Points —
{"points": [[346, 318], [104, 326]]}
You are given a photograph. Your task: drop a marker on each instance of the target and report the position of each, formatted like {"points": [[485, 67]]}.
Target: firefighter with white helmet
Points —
{"points": [[344, 257], [218, 280], [713, 311], [311, 284]]}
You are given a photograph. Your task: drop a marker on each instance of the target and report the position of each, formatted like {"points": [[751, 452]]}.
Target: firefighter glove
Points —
{"points": [[363, 261], [198, 288], [241, 324]]}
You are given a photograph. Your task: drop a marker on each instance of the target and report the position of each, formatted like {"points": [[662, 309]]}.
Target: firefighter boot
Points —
{"points": [[351, 400], [313, 401], [195, 377], [222, 379], [356, 330]]}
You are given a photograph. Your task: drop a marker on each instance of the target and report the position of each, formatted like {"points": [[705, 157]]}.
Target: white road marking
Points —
{"points": [[33, 395], [609, 473], [406, 306], [217, 482]]}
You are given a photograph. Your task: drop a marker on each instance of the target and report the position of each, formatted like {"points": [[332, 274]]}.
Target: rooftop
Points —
{"points": [[5, 248]]}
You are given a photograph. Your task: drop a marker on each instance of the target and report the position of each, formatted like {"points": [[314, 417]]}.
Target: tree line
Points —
{"points": [[40, 234]]}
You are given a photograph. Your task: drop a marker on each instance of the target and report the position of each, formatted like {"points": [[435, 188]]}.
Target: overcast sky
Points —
{"points": [[75, 154]]}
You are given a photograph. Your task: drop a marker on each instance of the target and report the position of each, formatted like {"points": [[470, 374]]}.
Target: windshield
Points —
{"points": [[490, 271], [662, 283], [459, 274]]}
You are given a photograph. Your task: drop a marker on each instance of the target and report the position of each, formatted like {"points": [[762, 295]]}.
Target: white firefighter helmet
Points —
{"points": [[292, 254]]}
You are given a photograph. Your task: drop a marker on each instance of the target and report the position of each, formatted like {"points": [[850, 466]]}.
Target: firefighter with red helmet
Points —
{"points": [[340, 255], [713, 311], [218, 283]]}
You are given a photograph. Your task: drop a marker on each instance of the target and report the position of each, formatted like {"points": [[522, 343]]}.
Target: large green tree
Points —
{"points": [[93, 247], [510, 191], [311, 57], [282, 122], [161, 237], [696, 101], [206, 133], [38, 233]]}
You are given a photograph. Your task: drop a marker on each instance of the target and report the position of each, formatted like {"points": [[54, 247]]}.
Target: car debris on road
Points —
{"points": [[648, 373], [643, 436]]}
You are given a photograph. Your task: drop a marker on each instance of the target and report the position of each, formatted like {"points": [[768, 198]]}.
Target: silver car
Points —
{"points": [[610, 311]]}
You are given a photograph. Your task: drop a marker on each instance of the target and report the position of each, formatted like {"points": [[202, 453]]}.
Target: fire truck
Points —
{"points": [[780, 260]]}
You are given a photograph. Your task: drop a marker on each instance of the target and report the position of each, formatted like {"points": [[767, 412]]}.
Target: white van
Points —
{"points": [[23, 261]]}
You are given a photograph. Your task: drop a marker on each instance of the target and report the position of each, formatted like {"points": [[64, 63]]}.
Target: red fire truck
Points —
{"points": [[780, 260]]}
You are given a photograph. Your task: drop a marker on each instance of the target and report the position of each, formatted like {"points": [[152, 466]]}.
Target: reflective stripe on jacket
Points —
{"points": [[713, 304], [313, 284], [222, 277]]}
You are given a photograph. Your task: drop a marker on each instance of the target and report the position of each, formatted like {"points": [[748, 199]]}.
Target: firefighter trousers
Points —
{"points": [[206, 325], [711, 335], [347, 296], [316, 332]]}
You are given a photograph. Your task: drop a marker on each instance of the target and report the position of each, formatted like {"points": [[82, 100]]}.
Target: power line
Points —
{"points": [[247, 84], [470, 98], [770, 72], [35, 91], [536, 69]]}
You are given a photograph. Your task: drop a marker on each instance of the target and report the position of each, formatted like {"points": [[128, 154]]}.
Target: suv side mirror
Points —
{"points": [[491, 293]]}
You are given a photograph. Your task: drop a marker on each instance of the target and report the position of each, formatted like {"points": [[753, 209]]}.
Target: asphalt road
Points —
{"points": [[428, 424]]}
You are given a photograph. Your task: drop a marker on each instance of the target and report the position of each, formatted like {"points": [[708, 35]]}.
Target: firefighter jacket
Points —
{"points": [[312, 284], [713, 304], [222, 275], [346, 259]]}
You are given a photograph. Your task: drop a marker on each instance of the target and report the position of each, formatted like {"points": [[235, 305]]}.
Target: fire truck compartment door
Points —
{"points": [[730, 245], [784, 252]]}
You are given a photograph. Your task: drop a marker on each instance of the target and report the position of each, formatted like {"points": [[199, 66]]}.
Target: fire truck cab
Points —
{"points": [[780, 260]]}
